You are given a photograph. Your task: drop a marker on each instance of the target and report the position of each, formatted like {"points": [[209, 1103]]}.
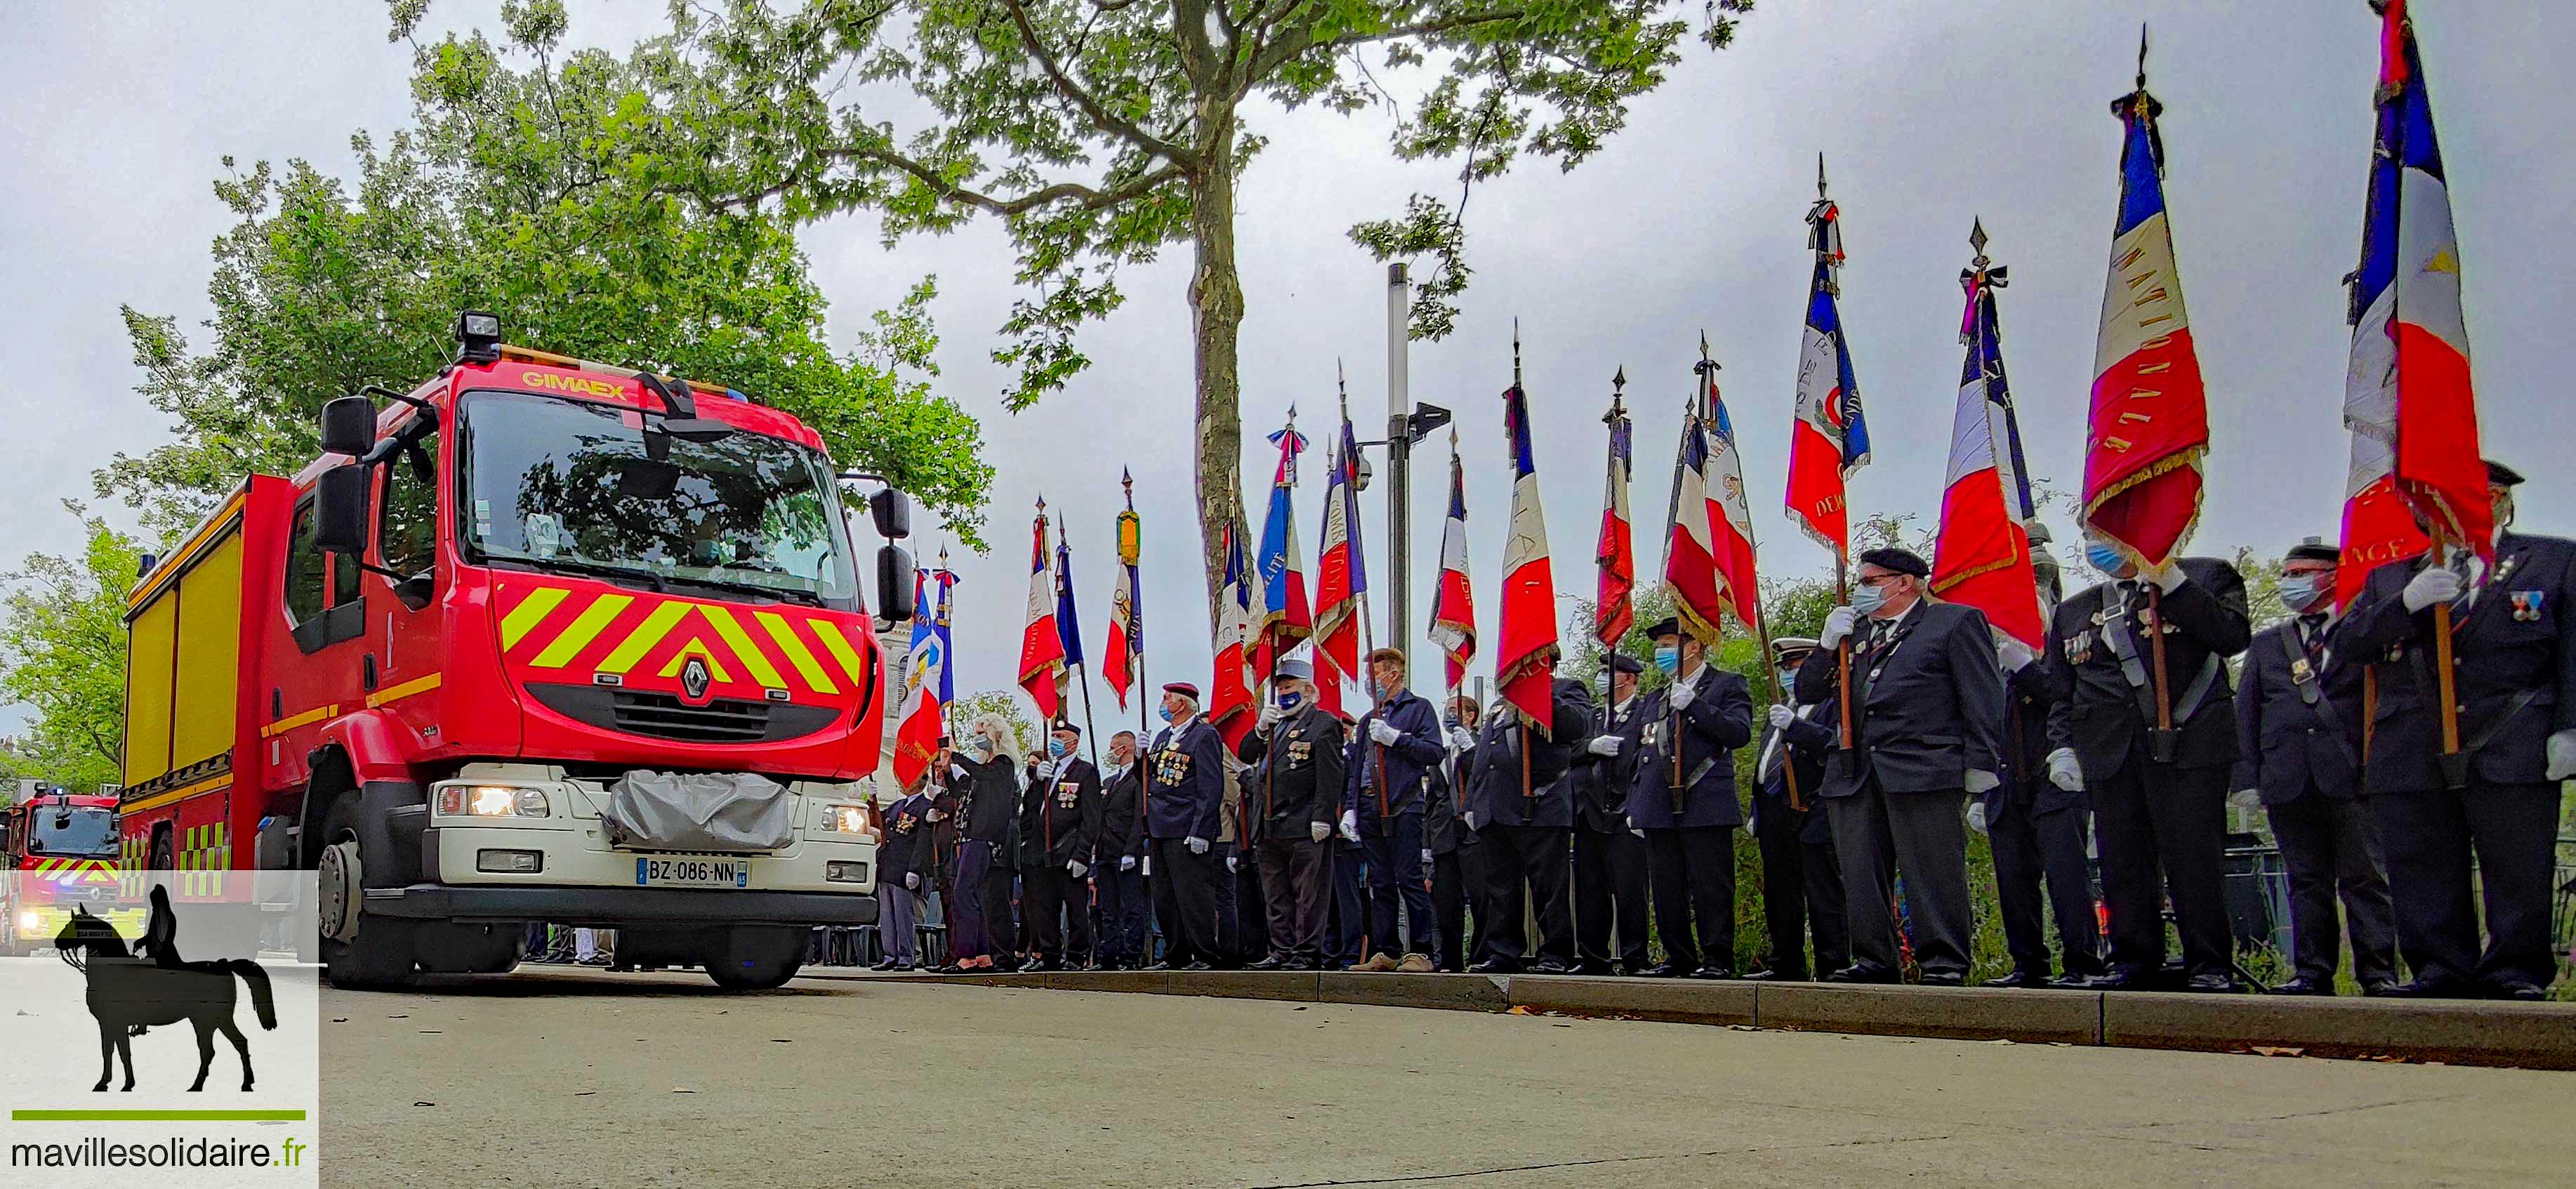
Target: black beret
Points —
{"points": [[1623, 663], [2500, 475], [1903, 561], [1670, 625], [2314, 549]]}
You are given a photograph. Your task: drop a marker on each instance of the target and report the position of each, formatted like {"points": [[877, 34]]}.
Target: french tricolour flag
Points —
{"points": [[1453, 605], [1527, 659], [1284, 618], [1229, 706], [917, 719], [1612, 554], [1041, 648], [1690, 557], [1730, 515], [1982, 555], [1125, 646], [1830, 439], [1341, 576], [2407, 395]]}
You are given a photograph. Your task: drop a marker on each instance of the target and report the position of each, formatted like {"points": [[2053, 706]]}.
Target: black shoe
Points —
{"points": [[1766, 976], [2434, 987], [2073, 981], [1495, 966], [2019, 978], [1036, 966], [1298, 965], [2303, 985], [1713, 973], [2519, 991], [1861, 973], [1194, 967], [1273, 962], [2214, 984], [2378, 988], [2120, 980], [1595, 969], [901, 968], [1941, 978], [1159, 967], [1661, 970], [1551, 966]]}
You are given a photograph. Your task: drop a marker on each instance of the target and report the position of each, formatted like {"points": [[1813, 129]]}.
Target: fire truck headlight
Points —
{"points": [[30, 921], [846, 819], [491, 801]]}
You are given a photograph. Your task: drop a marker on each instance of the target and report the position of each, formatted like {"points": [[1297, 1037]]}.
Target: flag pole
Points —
{"points": [[1368, 632], [1064, 587], [1708, 368], [2453, 770], [1842, 552], [1529, 796], [1457, 790]]}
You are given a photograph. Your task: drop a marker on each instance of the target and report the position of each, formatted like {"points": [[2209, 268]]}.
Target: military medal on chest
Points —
{"points": [[1065, 792], [1171, 764], [2527, 604]]}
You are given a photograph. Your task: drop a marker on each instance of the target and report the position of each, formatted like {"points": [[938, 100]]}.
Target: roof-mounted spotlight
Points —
{"points": [[479, 333]]}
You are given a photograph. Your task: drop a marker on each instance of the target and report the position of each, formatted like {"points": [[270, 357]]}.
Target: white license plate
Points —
{"points": [[690, 871]]}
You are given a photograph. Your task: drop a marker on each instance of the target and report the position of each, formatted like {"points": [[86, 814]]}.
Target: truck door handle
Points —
{"points": [[367, 672]]}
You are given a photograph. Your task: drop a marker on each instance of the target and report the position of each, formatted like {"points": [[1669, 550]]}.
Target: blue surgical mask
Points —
{"points": [[1668, 658], [2299, 590], [1057, 748], [1165, 711], [1868, 597], [2104, 558], [1291, 701]]}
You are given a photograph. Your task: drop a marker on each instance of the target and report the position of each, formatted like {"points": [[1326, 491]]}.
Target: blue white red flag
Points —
{"points": [[1125, 647], [1229, 706], [1730, 515], [1526, 660], [1341, 576], [1284, 618], [1041, 648], [1690, 553], [917, 717], [1453, 605], [1068, 628], [947, 579], [2407, 393], [2149, 427], [1981, 556], [1615, 559], [1830, 439]]}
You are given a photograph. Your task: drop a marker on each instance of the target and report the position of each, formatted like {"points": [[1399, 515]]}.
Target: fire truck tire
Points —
{"points": [[367, 951], [752, 958]]}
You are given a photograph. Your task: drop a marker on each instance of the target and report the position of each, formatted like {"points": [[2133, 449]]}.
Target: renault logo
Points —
{"points": [[694, 679]]}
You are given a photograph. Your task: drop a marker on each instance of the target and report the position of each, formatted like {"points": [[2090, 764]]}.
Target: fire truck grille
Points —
{"points": [[665, 716]]}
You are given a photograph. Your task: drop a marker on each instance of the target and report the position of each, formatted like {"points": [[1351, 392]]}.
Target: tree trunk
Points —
{"points": [[1216, 307]]}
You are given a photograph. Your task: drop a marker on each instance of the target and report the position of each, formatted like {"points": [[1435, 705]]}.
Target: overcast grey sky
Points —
{"points": [[116, 115]]}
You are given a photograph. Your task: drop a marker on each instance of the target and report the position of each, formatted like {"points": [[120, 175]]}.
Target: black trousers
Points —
{"points": [[2031, 848], [2512, 829], [1001, 919], [2331, 847], [1055, 913], [1610, 889], [1393, 847], [1243, 913], [1347, 931], [1185, 900], [1878, 834], [1802, 891], [1692, 869], [1525, 867], [1294, 887], [2150, 816], [1122, 909], [1472, 878], [1449, 907]]}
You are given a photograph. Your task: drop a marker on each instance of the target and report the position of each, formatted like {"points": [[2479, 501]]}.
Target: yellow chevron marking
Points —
{"points": [[839, 646], [697, 648], [797, 654], [753, 659], [530, 612], [657, 624], [396, 693], [585, 628]]}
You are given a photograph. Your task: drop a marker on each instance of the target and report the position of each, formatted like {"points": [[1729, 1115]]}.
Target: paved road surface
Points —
{"points": [[574, 1078]]}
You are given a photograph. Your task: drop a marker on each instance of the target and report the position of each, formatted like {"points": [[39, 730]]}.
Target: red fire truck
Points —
{"points": [[434, 665], [63, 849]]}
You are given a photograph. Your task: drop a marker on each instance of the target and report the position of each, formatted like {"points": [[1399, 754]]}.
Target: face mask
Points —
{"points": [[2300, 590], [2503, 508], [1165, 711], [1868, 597], [1668, 658], [981, 746], [1786, 677], [1291, 701], [1057, 748], [2104, 558]]}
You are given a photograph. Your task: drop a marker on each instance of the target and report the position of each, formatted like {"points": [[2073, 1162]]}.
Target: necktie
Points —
{"points": [[2312, 629]]}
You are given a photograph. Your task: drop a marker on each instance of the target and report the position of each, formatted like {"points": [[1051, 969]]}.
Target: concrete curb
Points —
{"points": [[2526, 1035]]}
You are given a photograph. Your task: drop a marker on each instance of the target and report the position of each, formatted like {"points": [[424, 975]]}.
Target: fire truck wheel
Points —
{"points": [[358, 951], [757, 959]]}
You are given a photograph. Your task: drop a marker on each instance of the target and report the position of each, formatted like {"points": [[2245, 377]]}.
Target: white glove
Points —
{"points": [[1351, 824], [1603, 745], [1977, 816], [1632, 828], [2245, 798], [2435, 585], [938, 815], [1319, 831], [1076, 868], [1383, 732], [2064, 772], [1126, 862], [2015, 655], [959, 772], [1782, 716], [912, 880], [1426, 858], [2167, 577], [1838, 627], [1230, 861], [1980, 781], [2562, 755], [1198, 846], [1269, 716], [1682, 695], [1469, 817], [1460, 740]]}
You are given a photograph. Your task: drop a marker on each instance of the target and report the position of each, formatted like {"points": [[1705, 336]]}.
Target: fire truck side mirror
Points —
{"points": [[349, 426], [894, 583], [341, 499], [892, 511]]}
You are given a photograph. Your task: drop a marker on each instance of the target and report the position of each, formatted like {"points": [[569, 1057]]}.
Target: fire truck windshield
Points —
{"points": [[591, 488], [85, 830]]}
